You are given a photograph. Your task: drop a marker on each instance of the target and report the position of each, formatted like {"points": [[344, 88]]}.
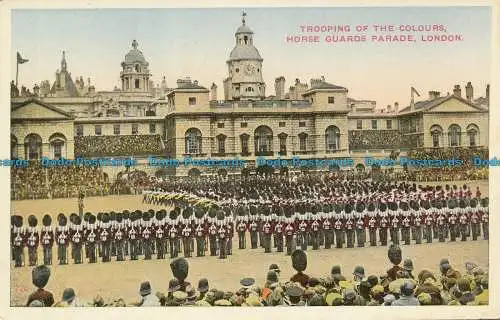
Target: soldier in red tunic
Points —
{"points": [[328, 229], [278, 231], [289, 233], [266, 231], [120, 236], [241, 227], [91, 239], [372, 224], [62, 239], [77, 233], [18, 240], [47, 239], [32, 239]]}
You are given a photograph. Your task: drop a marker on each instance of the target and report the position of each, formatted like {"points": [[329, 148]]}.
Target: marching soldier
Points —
{"points": [[266, 231], [289, 233], [429, 223], [119, 235], [186, 238], [440, 222], [222, 240], [47, 239], [278, 231], [76, 240], [146, 236], [384, 224], [229, 233], [174, 239], [484, 212], [464, 221], [475, 220], [349, 226], [62, 239], [213, 235], [395, 223], [159, 234], [126, 227], [241, 226], [200, 234], [406, 224], [452, 220], [417, 222], [133, 236], [32, 238], [327, 229], [372, 225], [315, 229], [303, 232], [339, 229], [105, 238], [360, 225], [254, 227], [18, 240], [91, 239]]}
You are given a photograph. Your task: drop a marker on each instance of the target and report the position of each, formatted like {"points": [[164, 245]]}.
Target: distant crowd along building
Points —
{"points": [[313, 121]]}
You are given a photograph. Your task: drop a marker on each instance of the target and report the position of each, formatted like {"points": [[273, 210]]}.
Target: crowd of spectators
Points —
{"points": [[374, 139], [399, 286], [119, 145]]}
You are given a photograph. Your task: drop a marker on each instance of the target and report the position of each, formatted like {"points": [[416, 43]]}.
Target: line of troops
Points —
{"points": [[123, 234]]}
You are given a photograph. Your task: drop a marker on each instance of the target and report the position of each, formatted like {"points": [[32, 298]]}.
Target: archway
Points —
{"points": [[193, 141], [263, 137], [332, 139], [32, 147]]}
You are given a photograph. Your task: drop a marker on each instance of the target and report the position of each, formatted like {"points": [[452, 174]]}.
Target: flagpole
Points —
{"points": [[17, 70]]}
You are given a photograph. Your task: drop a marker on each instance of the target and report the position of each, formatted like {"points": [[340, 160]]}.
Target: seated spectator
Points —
{"points": [[148, 299]]}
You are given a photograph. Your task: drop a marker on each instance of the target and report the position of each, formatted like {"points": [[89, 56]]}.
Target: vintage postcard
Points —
{"points": [[243, 155]]}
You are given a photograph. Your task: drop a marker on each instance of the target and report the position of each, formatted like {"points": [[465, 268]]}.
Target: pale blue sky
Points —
{"points": [[197, 43]]}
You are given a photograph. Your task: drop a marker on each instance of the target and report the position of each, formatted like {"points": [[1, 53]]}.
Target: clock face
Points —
{"points": [[249, 69]]}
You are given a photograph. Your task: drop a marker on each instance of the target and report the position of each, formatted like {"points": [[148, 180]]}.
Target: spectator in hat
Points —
{"points": [[364, 292], [148, 299], [36, 303], [294, 296], [274, 267], [202, 288], [373, 280], [69, 297], [427, 283], [40, 276], [173, 285], [272, 292], [408, 269], [406, 295]]}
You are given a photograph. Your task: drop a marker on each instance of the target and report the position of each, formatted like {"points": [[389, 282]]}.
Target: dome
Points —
{"points": [[245, 52], [134, 55], [244, 29]]}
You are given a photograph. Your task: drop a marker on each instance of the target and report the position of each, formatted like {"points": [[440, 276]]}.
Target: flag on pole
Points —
{"points": [[413, 90], [20, 60]]}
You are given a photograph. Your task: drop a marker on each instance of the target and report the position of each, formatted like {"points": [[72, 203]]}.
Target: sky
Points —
{"points": [[197, 42]]}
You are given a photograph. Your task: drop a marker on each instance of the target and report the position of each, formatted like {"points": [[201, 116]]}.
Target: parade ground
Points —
{"points": [[122, 279]]}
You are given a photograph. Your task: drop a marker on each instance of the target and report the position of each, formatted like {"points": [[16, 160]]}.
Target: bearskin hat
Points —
{"points": [[348, 208], [452, 203], [173, 214], [473, 203], [180, 268], [158, 215], [395, 255], [220, 215], [371, 207], [382, 207], [40, 276], [485, 202], [145, 216], [60, 216], [78, 221], [105, 217], [212, 212], [72, 217], [63, 221], [299, 260], [360, 207], [112, 216], [47, 220], [92, 219], [18, 221], [99, 216], [32, 221], [338, 207], [119, 217], [86, 216], [461, 203]]}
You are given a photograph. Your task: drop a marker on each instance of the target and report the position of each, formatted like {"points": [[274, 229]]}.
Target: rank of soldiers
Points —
{"points": [[208, 226]]}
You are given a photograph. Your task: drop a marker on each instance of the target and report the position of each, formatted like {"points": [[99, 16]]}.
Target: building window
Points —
{"points": [[135, 128], [263, 140], [249, 89], [282, 124], [436, 133], [244, 143], [472, 133], [192, 101], [137, 84], [193, 141], [282, 138], [374, 124], [302, 142], [454, 135], [98, 130], [389, 124], [237, 70], [332, 138], [33, 147], [116, 129], [359, 124], [221, 144], [331, 100], [244, 124], [137, 68], [220, 125], [152, 128], [79, 130], [302, 124], [57, 146]]}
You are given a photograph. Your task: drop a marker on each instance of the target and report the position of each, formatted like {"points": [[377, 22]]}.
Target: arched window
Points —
{"points": [[137, 84], [13, 147], [473, 133], [436, 134], [249, 89], [302, 141], [454, 135], [193, 141], [245, 38], [263, 137], [32, 147], [244, 144], [57, 145], [221, 144], [332, 138], [137, 68]]}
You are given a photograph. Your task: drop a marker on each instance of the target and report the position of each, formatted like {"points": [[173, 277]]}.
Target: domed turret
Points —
{"points": [[135, 71]]}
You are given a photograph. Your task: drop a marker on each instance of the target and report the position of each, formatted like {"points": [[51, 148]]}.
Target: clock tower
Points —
{"points": [[245, 81]]}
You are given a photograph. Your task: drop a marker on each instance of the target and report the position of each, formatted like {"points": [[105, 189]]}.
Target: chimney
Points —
{"points": [[195, 82], [389, 108], [469, 91], [434, 94], [457, 92], [279, 87], [213, 92], [396, 106]]}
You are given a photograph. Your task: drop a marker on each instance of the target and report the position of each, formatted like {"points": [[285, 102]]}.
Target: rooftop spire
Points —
{"points": [[135, 44], [243, 15], [63, 61]]}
